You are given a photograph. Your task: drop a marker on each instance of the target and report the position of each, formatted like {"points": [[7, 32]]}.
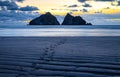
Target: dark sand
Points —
{"points": [[59, 56]]}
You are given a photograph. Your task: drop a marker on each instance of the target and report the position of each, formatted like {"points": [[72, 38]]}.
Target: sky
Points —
{"points": [[61, 7], [90, 10]]}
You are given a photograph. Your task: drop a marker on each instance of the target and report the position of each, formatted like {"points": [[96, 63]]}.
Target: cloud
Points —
{"points": [[119, 3], [28, 8], [4, 3], [75, 5], [84, 10], [19, 0], [114, 4], [16, 15], [86, 5], [96, 0], [73, 10], [104, 0], [10, 5], [82, 0], [10, 11]]}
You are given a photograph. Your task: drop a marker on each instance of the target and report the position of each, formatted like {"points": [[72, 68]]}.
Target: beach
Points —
{"points": [[55, 38], [86, 56]]}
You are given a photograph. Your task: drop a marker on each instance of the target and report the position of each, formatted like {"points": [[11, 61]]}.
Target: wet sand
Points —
{"points": [[59, 56]]}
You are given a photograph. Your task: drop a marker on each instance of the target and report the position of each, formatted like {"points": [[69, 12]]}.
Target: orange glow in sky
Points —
{"points": [[61, 7]]}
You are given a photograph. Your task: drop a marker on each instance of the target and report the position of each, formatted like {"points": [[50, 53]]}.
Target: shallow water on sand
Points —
{"points": [[24, 30]]}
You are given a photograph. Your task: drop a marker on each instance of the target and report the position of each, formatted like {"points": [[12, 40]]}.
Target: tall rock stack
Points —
{"points": [[45, 19], [77, 20]]}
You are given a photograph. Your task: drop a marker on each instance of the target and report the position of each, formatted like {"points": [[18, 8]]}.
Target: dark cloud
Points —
{"points": [[10, 11], [19, 0], [75, 5], [104, 0], [73, 10], [16, 16], [84, 10], [4, 3], [86, 5], [94, 0], [119, 3], [82, 0], [10, 5], [29, 8], [71, 6]]}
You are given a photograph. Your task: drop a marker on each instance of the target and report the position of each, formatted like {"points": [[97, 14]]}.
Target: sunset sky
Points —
{"points": [[74, 6], [108, 11]]}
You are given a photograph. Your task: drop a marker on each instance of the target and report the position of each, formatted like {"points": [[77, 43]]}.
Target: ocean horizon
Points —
{"points": [[59, 30]]}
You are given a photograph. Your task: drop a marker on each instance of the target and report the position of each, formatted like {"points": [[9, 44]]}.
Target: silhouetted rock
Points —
{"points": [[89, 24], [45, 19], [68, 20], [77, 20]]}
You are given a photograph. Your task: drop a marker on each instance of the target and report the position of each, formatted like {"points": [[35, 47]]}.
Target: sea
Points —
{"points": [[59, 30]]}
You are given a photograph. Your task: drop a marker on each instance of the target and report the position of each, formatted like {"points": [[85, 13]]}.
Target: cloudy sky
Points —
{"points": [[75, 6], [24, 9]]}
